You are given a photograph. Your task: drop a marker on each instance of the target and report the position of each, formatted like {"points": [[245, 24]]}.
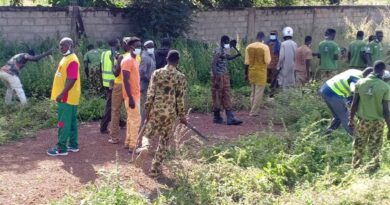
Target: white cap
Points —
{"points": [[288, 31], [386, 75], [148, 42]]}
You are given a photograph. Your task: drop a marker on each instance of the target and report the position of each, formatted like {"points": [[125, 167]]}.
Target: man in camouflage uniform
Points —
{"points": [[371, 103], [164, 104]]}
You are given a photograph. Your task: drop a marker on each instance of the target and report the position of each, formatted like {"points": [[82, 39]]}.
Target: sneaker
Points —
{"points": [[56, 152], [113, 141], [71, 149]]}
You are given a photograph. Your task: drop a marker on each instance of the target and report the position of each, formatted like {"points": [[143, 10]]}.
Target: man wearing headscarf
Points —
{"points": [[286, 64]]}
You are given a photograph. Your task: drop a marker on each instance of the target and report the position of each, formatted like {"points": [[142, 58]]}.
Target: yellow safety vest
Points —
{"points": [[107, 65], [339, 83], [73, 95]]}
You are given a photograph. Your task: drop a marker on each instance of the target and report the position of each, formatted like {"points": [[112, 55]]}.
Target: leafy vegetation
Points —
{"points": [[109, 190], [299, 166]]}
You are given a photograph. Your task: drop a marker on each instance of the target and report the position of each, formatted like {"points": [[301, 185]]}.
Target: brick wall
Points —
{"points": [[27, 23]]}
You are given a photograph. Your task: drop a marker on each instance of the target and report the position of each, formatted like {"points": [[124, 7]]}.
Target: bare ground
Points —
{"points": [[29, 176]]}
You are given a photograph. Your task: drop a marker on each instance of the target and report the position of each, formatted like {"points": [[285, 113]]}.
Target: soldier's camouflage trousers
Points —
{"points": [[369, 134]]}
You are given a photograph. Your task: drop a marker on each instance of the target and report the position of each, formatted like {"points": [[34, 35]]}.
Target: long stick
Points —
{"points": [[139, 138], [196, 131]]}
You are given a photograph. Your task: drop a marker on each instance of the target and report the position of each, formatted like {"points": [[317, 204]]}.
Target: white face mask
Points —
{"points": [[67, 52], [272, 37], [150, 50], [227, 46], [137, 51]]}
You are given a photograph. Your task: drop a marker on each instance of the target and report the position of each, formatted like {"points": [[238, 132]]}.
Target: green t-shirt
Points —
{"points": [[372, 91], [376, 50], [328, 50], [357, 49], [93, 58]]}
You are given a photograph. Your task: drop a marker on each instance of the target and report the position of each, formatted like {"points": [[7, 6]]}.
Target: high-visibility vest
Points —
{"points": [[59, 82], [339, 83], [107, 65]]}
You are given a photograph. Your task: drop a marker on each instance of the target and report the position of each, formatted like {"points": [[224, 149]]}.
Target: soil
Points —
{"points": [[29, 176]]}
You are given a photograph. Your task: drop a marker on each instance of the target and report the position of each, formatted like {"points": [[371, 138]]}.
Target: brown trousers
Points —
{"points": [[221, 92], [116, 103]]}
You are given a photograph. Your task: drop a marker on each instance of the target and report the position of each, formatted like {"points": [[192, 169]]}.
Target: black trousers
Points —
{"points": [[107, 111]]}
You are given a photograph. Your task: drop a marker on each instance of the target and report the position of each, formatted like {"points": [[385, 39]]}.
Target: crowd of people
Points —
{"points": [[149, 85]]}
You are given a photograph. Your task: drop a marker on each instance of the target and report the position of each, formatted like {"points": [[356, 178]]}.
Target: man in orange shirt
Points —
{"points": [[66, 92], [131, 92], [303, 62]]}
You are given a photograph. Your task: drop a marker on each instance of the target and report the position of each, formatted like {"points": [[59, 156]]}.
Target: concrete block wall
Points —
{"points": [[106, 24], [304, 20], [27, 23]]}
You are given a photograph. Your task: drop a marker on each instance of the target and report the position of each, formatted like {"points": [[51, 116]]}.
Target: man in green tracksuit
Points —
{"points": [[356, 52], [374, 50], [328, 53]]}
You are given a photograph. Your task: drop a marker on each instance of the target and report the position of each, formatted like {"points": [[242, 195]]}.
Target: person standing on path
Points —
{"points": [[131, 92], [92, 69], [161, 53], [374, 50], [221, 83], [9, 74], [146, 68], [287, 56], [303, 63], [164, 105], [117, 96], [272, 72], [107, 62], [356, 52], [66, 92], [328, 54], [371, 103], [257, 57], [336, 91]]}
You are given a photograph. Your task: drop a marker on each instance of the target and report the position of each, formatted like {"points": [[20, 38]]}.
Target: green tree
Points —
{"points": [[161, 18]]}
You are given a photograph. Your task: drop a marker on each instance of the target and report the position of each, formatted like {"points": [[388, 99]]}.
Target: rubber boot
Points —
{"points": [[217, 117], [231, 120]]}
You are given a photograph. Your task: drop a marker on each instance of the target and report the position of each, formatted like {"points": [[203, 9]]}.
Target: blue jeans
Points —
{"points": [[337, 106]]}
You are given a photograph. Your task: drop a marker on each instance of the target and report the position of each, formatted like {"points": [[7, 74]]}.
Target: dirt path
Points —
{"points": [[29, 176]]}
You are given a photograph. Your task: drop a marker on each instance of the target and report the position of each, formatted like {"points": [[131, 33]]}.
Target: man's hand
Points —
{"points": [[60, 97], [49, 52], [131, 102], [183, 120]]}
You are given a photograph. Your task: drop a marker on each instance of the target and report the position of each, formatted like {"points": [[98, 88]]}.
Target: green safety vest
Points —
{"points": [[107, 65], [339, 83]]}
